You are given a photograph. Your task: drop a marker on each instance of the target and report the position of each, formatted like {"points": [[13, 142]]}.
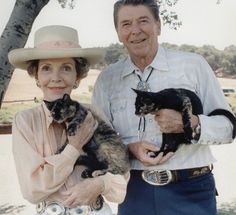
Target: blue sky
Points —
{"points": [[204, 22]]}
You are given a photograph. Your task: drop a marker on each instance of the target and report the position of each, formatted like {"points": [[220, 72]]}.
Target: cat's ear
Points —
{"points": [[66, 96], [48, 104], [139, 92], [136, 91]]}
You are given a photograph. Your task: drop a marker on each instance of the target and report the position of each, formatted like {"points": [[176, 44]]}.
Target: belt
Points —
{"points": [[56, 208], [164, 177]]}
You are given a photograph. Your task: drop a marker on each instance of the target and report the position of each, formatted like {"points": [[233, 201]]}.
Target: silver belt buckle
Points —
{"points": [[51, 208], [81, 210], [54, 208], [157, 177]]}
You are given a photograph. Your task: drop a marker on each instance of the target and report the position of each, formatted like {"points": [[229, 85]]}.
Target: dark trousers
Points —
{"points": [[195, 196]]}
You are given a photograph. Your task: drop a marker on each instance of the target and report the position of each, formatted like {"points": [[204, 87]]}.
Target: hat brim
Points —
{"points": [[20, 58]]}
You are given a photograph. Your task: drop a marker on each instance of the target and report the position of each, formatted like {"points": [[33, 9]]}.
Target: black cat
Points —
{"points": [[105, 152], [182, 100]]}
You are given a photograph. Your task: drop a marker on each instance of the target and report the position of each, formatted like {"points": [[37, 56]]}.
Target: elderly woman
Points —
{"points": [[46, 178]]}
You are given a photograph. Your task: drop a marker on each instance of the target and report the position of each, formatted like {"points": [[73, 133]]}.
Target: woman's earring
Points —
{"points": [[38, 84], [75, 85]]}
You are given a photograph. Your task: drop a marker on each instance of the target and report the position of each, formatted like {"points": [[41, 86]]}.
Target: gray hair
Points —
{"points": [[150, 4]]}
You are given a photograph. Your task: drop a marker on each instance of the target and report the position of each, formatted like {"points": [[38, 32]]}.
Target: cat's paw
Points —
{"points": [[98, 173], [98, 204], [71, 130], [87, 174]]}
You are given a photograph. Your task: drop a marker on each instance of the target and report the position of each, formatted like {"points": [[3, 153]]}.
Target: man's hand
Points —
{"points": [[141, 150], [170, 121]]}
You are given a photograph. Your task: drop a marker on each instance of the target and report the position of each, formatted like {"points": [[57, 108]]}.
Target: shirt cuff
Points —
{"points": [[71, 152], [115, 187], [215, 130]]}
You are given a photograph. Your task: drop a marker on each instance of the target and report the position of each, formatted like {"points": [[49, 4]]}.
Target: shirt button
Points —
{"points": [[150, 120], [152, 139]]}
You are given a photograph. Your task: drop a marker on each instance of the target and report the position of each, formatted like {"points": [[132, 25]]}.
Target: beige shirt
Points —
{"points": [[44, 175]]}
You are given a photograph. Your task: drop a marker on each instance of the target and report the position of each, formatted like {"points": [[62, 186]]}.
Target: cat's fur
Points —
{"points": [[181, 100], [105, 152]]}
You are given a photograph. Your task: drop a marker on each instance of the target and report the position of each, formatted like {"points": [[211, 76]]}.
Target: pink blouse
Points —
{"points": [[44, 175]]}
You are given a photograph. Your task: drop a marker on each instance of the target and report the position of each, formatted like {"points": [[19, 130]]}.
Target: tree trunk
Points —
{"points": [[15, 35]]}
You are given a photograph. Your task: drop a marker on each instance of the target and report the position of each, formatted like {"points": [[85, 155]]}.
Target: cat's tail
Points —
{"points": [[228, 115]]}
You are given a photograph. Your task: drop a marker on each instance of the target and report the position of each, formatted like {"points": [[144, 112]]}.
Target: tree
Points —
{"points": [[15, 35], [229, 57], [169, 17]]}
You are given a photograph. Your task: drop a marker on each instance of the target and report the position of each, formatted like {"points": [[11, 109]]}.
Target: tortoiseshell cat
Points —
{"points": [[104, 153], [182, 100]]}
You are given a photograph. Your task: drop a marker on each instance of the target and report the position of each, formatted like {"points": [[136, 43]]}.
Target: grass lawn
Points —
{"points": [[8, 110]]}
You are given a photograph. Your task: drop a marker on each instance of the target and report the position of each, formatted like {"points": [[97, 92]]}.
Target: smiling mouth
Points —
{"points": [[56, 89], [137, 41]]}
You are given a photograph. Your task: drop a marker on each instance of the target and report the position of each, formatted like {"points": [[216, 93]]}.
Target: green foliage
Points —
{"points": [[227, 208], [67, 3], [229, 56], [232, 101], [114, 52], [168, 16], [224, 60], [8, 111]]}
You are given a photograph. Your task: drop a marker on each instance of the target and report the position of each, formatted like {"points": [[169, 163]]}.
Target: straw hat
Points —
{"points": [[54, 41]]}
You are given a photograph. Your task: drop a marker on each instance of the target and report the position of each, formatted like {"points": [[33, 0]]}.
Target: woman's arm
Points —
{"points": [[38, 176], [112, 187], [40, 171]]}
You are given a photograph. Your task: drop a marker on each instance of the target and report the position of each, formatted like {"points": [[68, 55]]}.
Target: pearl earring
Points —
{"points": [[38, 84], [75, 85]]}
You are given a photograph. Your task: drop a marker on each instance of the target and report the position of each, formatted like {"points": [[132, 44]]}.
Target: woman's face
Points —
{"points": [[56, 77]]}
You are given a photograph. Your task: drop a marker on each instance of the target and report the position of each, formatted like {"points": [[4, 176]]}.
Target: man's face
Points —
{"points": [[138, 30]]}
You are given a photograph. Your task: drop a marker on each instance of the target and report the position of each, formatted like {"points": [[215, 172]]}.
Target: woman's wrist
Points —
{"points": [[101, 184]]}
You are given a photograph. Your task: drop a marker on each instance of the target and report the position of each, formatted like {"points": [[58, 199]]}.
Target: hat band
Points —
{"points": [[58, 44]]}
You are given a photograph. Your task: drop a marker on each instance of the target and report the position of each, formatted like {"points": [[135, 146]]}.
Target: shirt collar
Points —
{"points": [[48, 116], [160, 62]]}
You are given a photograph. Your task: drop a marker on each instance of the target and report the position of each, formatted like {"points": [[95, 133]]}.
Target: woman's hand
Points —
{"points": [[84, 133], [142, 150], [85, 192]]}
